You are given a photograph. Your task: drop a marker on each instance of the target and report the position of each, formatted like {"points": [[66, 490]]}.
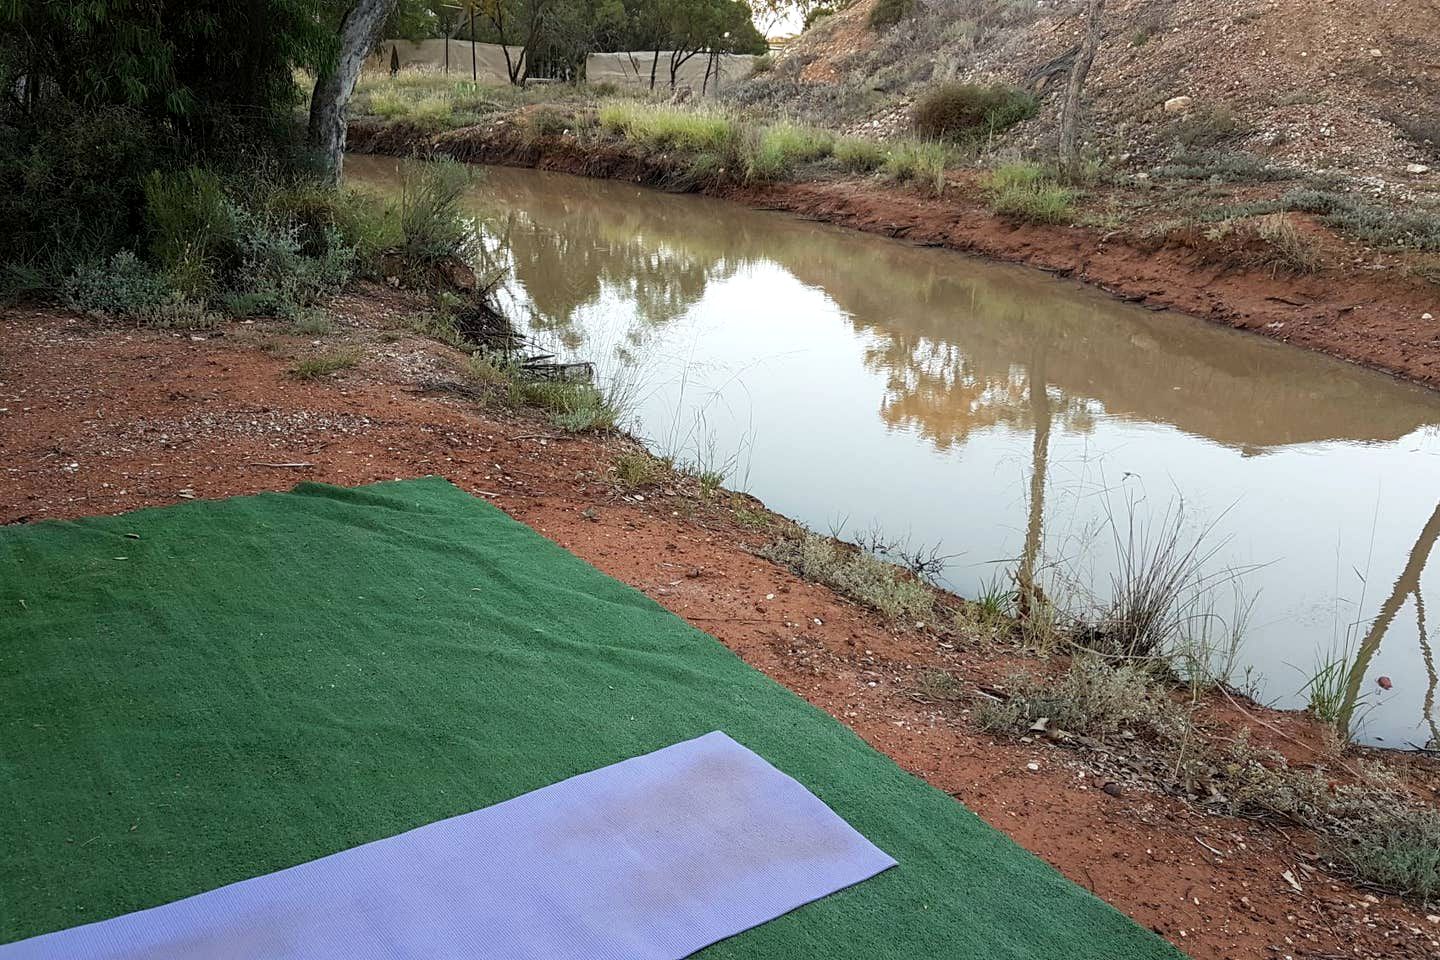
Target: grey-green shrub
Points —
{"points": [[968, 111]]}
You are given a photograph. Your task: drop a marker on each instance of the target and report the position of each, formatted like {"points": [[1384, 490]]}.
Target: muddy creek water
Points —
{"points": [[860, 384]]}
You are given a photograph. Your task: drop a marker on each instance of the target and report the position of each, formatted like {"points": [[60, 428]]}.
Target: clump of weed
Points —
{"points": [[433, 231], [859, 156], [1293, 249], [1370, 828], [1025, 191], [921, 162], [968, 111], [312, 323], [939, 686], [488, 372], [856, 574], [1221, 168], [887, 13], [752, 519], [669, 128], [639, 468], [575, 406], [548, 121], [773, 154], [1207, 127], [1415, 228], [1092, 697], [1272, 242], [323, 365]]}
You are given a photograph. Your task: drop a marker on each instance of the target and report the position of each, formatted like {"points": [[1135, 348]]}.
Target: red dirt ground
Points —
{"points": [[102, 420]]}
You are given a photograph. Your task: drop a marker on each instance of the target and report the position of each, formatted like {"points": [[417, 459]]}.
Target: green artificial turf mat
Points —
{"points": [[199, 694]]}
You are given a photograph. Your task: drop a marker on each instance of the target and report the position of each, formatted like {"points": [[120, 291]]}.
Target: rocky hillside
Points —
{"points": [[1345, 85]]}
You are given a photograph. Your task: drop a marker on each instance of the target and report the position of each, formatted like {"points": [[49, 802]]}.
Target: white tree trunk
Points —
{"points": [[1070, 111], [334, 86]]}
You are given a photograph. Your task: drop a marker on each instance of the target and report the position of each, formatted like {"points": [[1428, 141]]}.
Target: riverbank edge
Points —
{"points": [[1368, 313]]}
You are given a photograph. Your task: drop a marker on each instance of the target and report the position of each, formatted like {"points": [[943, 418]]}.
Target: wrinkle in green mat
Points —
{"points": [[199, 694]]}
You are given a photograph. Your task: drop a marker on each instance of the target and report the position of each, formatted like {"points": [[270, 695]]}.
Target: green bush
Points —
{"points": [[968, 111], [120, 287], [887, 13]]}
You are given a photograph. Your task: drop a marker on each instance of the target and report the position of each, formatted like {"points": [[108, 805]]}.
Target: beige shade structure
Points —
{"points": [[702, 73], [430, 55]]}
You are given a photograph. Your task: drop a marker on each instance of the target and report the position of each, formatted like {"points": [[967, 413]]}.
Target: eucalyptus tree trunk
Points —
{"points": [[335, 83], [1070, 110]]}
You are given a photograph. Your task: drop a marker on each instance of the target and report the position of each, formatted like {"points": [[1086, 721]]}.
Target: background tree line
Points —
{"points": [[554, 37]]}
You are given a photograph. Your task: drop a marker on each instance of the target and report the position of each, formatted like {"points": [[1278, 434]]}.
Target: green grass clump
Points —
{"points": [[851, 572], [638, 468], [969, 111], [669, 128], [921, 162], [312, 323], [1024, 191], [773, 154], [323, 365], [859, 156], [574, 406]]}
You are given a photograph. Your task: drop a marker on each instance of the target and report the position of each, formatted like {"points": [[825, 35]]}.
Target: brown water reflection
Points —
{"points": [[852, 378]]}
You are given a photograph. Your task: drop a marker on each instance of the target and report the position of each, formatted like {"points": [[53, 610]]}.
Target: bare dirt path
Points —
{"points": [[97, 420]]}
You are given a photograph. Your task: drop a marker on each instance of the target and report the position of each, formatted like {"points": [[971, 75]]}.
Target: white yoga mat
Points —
{"points": [[651, 858]]}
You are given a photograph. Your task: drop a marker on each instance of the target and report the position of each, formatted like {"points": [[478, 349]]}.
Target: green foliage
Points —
{"points": [[887, 13], [189, 221], [323, 365], [968, 111], [575, 406], [922, 162], [859, 156], [1414, 228], [669, 128], [100, 95], [432, 228], [120, 287], [773, 154], [1024, 191], [856, 574]]}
